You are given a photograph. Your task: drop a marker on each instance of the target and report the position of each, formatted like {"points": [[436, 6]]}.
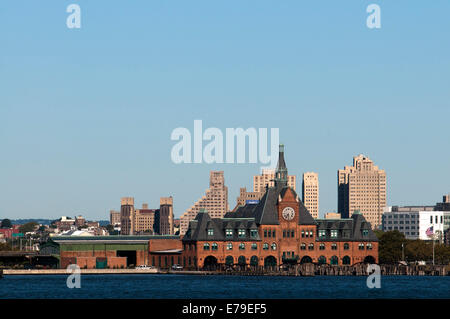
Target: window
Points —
{"points": [[205, 246], [303, 234], [274, 246], [241, 246], [361, 246], [265, 233], [253, 233], [293, 234], [311, 246], [322, 233], [265, 246], [334, 246], [273, 233], [310, 233], [369, 246], [229, 232], [214, 246], [322, 246], [303, 246], [254, 246], [229, 246], [334, 233], [365, 232], [346, 246], [241, 233], [210, 232]]}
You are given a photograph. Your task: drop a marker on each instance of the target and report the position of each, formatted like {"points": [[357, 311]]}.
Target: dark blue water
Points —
{"points": [[185, 286]]}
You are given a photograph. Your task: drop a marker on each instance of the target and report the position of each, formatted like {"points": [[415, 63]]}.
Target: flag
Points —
{"points": [[429, 231]]}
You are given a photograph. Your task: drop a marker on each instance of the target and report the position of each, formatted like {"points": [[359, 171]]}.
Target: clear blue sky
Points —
{"points": [[86, 115]]}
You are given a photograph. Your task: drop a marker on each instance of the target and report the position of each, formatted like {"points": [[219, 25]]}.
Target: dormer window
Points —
{"points": [[365, 232], [254, 233], [322, 233], [229, 232], [210, 232], [334, 233], [241, 233]]}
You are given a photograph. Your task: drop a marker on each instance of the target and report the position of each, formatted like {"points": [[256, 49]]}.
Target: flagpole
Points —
{"points": [[433, 249]]}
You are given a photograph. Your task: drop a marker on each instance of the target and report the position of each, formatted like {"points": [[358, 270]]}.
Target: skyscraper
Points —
{"points": [[362, 187], [267, 178], [259, 187], [215, 201], [310, 193], [127, 216]]}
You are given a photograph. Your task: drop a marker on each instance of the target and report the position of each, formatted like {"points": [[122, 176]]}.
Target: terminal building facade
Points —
{"points": [[277, 230]]}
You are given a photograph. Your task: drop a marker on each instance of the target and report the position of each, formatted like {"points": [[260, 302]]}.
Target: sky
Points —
{"points": [[86, 114]]}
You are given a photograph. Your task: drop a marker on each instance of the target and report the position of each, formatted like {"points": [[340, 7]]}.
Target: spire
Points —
{"points": [[281, 173]]}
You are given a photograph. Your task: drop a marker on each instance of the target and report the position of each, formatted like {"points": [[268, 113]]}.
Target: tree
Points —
{"points": [[28, 227], [417, 250], [390, 246], [6, 223]]}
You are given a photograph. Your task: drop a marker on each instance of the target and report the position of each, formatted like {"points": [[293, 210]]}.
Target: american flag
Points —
{"points": [[430, 232]]}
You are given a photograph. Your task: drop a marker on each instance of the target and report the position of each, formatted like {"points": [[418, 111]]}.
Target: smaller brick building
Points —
{"points": [[112, 251]]}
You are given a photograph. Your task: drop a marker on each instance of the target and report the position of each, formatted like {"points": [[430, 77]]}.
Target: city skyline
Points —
{"points": [[86, 115]]}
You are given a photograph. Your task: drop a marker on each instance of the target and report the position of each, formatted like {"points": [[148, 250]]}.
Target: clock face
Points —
{"points": [[288, 213]]}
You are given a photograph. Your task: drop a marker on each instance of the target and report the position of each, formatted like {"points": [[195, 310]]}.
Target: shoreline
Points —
{"points": [[325, 271]]}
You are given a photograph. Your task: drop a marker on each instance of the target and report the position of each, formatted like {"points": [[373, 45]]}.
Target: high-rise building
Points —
{"points": [[260, 184], [166, 216], [144, 220], [362, 187], [267, 178], [114, 217], [310, 192], [127, 216], [215, 201]]}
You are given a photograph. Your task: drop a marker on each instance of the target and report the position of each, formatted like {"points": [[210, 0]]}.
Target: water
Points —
{"points": [[188, 286]]}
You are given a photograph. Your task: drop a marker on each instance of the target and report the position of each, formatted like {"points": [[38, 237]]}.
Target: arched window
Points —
{"points": [[265, 246], [369, 246], [254, 246], [346, 246], [322, 246], [346, 260], [254, 261], [274, 246], [334, 260], [361, 246], [311, 246], [205, 246], [241, 260], [303, 246], [229, 260], [214, 246], [333, 246], [229, 246], [322, 260], [241, 246]]}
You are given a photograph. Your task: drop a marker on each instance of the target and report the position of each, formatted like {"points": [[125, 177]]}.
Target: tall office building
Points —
{"points": [[114, 217], [259, 187], [267, 178], [310, 193], [362, 187], [144, 220], [166, 216], [215, 201], [127, 216]]}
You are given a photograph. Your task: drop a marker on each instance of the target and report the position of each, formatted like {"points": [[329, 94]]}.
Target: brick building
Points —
{"points": [[277, 230]]}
